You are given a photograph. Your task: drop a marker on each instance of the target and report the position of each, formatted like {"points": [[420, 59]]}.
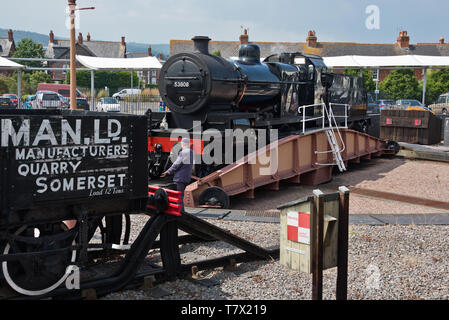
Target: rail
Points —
{"points": [[325, 114]]}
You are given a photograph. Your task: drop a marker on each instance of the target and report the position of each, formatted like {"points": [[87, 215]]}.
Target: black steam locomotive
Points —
{"points": [[200, 88]]}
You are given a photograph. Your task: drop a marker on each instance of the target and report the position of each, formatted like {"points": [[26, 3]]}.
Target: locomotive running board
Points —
{"points": [[301, 159]]}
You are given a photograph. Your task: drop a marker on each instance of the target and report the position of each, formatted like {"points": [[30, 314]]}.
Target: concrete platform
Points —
{"points": [[354, 219]]}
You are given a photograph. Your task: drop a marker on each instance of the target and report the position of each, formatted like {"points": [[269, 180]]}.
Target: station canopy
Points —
{"points": [[414, 61], [137, 64], [6, 64]]}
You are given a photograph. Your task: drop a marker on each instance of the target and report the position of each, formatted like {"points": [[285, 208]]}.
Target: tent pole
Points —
{"points": [[19, 88], [424, 86], [92, 90]]}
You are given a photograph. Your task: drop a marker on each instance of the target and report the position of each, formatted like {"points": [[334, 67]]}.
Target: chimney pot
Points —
{"points": [[10, 35], [311, 39], [244, 38], [80, 38], [403, 40]]}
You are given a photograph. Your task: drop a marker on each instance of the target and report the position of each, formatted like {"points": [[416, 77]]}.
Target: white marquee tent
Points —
{"points": [[136, 64], [6, 64], [389, 62], [413, 61]]}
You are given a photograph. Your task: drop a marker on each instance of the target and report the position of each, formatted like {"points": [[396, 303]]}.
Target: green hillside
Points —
{"points": [[42, 38]]}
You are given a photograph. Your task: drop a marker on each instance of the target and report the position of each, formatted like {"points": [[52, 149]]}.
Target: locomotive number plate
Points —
{"points": [[181, 84]]}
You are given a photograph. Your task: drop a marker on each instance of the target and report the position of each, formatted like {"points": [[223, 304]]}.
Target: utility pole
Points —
{"points": [[72, 9]]}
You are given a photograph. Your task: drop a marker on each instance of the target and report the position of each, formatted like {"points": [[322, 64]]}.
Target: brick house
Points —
{"points": [[402, 46], [60, 49], [7, 45]]}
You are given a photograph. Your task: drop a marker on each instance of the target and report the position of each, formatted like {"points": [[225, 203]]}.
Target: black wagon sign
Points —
{"points": [[51, 157]]}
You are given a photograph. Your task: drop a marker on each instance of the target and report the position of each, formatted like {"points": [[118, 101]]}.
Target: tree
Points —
{"points": [[111, 79], [437, 84], [217, 53], [27, 48], [368, 81], [401, 84]]}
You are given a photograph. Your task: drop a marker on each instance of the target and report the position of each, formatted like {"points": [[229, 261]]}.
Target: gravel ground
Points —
{"points": [[389, 262]]}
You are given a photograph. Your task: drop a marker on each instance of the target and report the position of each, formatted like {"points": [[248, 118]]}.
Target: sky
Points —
{"points": [[159, 21]]}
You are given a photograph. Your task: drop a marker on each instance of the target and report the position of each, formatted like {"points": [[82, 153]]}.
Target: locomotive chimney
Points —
{"points": [[149, 51], [88, 36], [201, 44], [441, 40], [10, 35], [52, 36], [80, 38]]}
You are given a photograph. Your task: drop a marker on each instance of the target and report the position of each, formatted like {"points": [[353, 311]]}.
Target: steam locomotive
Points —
{"points": [[200, 88]]}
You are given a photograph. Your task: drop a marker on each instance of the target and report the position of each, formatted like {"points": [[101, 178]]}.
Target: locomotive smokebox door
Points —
{"points": [[66, 161]]}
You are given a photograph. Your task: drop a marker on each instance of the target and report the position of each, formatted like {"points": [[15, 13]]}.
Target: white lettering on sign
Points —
{"points": [[16, 137], [68, 133], [181, 84], [59, 157]]}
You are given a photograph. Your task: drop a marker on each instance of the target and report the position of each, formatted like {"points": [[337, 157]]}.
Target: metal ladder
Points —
{"points": [[332, 139], [335, 149]]}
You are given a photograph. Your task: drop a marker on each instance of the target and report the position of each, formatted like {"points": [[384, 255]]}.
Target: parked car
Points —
{"points": [[441, 106], [108, 105], [49, 100], [384, 103], [82, 103], [29, 102], [14, 99], [126, 92], [5, 102], [411, 104], [62, 89]]}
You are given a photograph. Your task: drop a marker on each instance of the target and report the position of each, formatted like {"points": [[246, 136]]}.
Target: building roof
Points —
{"points": [[105, 49], [230, 49], [5, 47]]}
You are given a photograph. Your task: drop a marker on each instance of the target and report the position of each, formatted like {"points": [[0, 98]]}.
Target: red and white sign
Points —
{"points": [[298, 227]]}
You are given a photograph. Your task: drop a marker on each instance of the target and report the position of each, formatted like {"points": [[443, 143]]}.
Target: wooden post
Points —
{"points": [[342, 259], [72, 6], [317, 262]]}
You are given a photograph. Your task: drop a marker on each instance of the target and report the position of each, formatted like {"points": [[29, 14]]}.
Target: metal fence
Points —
{"points": [[138, 105]]}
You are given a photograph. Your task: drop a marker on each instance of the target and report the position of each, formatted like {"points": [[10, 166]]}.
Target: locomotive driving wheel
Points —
{"points": [[35, 275]]}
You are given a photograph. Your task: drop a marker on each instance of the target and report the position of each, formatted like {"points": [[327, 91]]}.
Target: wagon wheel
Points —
{"points": [[38, 275], [215, 196], [393, 145]]}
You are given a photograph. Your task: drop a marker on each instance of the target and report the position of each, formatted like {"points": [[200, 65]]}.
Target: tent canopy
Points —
{"points": [[387, 61], [6, 64], [137, 64]]}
